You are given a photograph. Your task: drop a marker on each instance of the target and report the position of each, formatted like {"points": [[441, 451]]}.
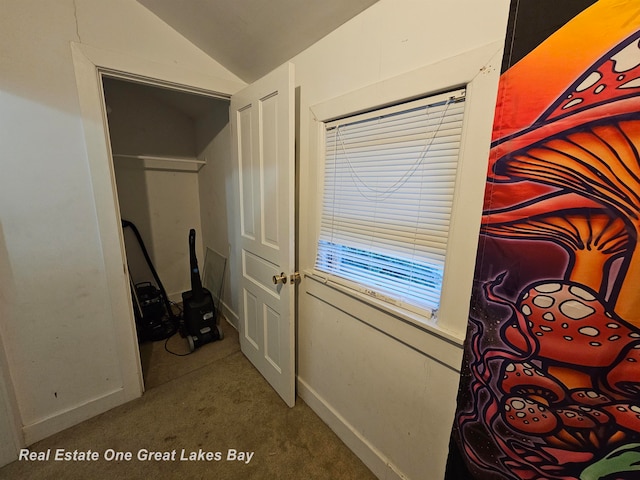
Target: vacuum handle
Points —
{"points": [[196, 283]]}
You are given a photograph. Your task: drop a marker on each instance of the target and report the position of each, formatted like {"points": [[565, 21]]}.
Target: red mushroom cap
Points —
{"points": [[595, 414], [570, 325], [589, 397], [592, 96], [526, 379], [624, 377], [626, 415], [574, 418], [528, 416]]}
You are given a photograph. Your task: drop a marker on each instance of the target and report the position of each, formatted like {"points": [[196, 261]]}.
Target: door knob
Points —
{"points": [[282, 278]]}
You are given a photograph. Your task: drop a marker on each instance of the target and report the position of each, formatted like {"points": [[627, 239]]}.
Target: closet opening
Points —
{"points": [[171, 163]]}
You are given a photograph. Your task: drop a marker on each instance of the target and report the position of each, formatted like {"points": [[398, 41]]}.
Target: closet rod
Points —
{"points": [[165, 159]]}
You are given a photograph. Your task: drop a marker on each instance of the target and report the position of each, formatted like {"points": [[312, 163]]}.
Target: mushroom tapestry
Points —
{"points": [[550, 381]]}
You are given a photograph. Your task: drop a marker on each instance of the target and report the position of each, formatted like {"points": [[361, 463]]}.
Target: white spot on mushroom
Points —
{"points": [[543, 301], [635, 83], [589, 331], [595, 344], [526, 311], [592, 394], [613, 325], [544, 328], [510, 368], [620, 78], [521, 414], [614, 337], [576, 310], [539, 334], [635, 408], [590, 81], [549, 317], [565, 325], [548, 287], [528, 373], [525, 296], [634, 335], [582, 293], [599, 89], [518, 404], [626, 59], [567, 337], [573, 103], [589, 411]]}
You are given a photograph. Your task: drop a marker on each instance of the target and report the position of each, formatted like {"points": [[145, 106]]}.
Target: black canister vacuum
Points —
{"points": [[199, 311]]}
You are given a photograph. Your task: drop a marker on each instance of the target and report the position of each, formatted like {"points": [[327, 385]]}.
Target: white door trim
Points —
{"points": [[10, 424], [90, 64]]}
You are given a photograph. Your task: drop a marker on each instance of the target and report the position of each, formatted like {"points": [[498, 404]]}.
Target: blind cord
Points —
{"points": [[386, 193]]}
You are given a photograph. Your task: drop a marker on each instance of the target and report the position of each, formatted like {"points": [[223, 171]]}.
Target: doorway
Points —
{"points": [[170, 159]]}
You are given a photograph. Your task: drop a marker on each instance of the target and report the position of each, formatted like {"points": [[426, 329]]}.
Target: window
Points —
{"points": [[389, 181]]}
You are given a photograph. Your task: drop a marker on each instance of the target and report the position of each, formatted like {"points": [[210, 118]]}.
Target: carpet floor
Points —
{"points": [[209, 415]]}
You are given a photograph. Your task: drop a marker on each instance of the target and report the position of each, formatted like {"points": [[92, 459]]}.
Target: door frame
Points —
{"points": [[10, 419], [90, 66]]}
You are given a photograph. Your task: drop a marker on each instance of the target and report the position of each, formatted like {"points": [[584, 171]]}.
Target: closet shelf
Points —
{"points": [[165, 162]]}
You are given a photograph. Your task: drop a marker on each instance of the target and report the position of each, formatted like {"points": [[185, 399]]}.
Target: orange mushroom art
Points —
{"points": [[552, 357], [588, 143]]}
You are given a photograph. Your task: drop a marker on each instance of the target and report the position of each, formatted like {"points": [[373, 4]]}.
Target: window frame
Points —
{"points": [[477, 71], [400, 108]]}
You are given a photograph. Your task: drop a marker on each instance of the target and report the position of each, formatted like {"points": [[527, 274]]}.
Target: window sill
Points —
{"points": [[410, 329]]}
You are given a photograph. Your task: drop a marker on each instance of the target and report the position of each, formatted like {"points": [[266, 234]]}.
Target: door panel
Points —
{"points": [[251, 320], [272, 347], [263, 126], [270, 171], [247, 167]]}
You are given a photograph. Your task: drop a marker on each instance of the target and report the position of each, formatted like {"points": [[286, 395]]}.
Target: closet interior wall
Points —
{"points": [[171, 152]]}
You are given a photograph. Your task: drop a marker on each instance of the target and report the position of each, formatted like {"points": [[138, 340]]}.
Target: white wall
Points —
{"points": [[64, 351], [393, 404], [218, 188], [163, 203], [159, 197]]}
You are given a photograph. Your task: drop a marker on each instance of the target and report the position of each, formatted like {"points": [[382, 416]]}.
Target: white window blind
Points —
{"points": [[389, 181]]}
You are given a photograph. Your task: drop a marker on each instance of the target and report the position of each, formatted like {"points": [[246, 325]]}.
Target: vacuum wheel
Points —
{"points": [[220, 332]]}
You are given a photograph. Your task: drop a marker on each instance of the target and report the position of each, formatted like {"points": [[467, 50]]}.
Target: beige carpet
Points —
{"points": [[212, 401]]}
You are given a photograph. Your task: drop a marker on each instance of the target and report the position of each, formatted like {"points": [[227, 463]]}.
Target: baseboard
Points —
{"points": [[62, 420], [231, 316], [370, 456], [175, 297]]}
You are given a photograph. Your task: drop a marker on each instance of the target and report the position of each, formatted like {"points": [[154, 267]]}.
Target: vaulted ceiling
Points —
{"points": [[252, 37]]}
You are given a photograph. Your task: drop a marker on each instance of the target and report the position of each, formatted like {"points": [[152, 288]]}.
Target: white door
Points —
{"points": [[262, 121]]}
